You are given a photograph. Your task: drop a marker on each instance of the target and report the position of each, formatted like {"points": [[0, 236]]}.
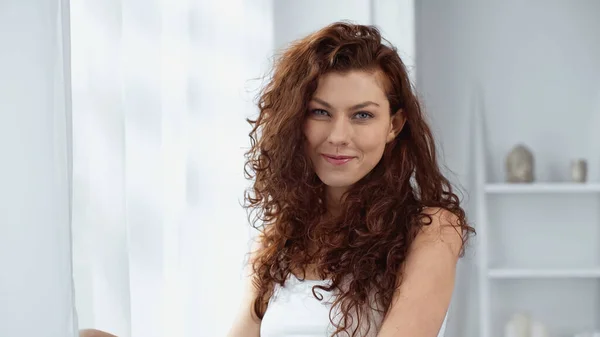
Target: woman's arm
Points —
{"points": [[421, 302], [246, 323], [94, 333]]}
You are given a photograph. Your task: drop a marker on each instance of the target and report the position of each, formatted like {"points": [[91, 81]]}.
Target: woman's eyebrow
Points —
{"points": [[354, 107]]}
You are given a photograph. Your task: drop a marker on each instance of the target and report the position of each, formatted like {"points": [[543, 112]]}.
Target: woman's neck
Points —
{"points": [[334, 198]]}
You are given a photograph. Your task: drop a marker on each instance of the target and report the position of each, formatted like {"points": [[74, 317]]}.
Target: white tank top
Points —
{"points": [[293, 310]]}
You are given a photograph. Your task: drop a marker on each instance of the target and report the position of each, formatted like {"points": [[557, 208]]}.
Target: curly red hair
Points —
{"points": [[381, 214]]}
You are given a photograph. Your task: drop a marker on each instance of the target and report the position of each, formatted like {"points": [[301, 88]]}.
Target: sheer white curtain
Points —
{"points": [[161, 90]]}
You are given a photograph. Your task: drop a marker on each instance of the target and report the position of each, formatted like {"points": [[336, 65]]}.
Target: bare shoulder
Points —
{"points": [[425, 287], [442, 226]]}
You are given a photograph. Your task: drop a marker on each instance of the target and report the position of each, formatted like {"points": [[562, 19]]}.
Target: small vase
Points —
{"points": [[519, 165], [518, 326], [579, 171]]}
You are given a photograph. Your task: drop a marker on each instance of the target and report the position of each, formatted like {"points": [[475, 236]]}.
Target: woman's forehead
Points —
{"points": [[350, 88]]}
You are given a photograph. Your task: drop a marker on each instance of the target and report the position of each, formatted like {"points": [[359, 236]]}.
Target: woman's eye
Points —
{"points": [[319, 112], [363, 115]]}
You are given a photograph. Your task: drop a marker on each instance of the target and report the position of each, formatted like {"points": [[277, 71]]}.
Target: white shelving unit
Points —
{"points": [[525, 273], [541, 188], [538, 248]]}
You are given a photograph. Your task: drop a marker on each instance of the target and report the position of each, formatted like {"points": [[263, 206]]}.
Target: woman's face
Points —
{"points": [[347, 127]]}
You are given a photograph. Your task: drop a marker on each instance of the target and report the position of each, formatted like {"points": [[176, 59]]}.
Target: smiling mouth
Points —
{"points": [[337, 160]]}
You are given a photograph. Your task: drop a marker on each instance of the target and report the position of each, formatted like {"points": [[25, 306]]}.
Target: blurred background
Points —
{"points": [[122, 133]]}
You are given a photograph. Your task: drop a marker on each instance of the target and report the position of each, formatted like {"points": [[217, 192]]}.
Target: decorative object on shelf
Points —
{"points": [[538, 330], [521, 325], [588, 334], [519, 165], [579, 171], [518, 326]]}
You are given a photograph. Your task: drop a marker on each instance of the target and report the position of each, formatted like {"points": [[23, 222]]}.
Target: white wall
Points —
{"points": [[538, 63], [35, 258], [395, 19], [295, 19]]}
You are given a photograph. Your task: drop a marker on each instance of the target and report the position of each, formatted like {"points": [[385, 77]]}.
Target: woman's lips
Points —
{"points": [[337, 160]]}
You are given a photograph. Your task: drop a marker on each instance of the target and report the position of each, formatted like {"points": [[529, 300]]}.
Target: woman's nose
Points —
{"points": [[340, 132]]}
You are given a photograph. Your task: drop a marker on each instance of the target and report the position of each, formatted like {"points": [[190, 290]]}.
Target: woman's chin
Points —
{"points": [[338, 183]]}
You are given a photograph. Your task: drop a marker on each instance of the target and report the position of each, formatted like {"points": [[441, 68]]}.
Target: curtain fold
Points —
{"points": [[161, 90]]}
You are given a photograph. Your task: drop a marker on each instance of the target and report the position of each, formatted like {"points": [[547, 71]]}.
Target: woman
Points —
{"points": [[360, 233]]}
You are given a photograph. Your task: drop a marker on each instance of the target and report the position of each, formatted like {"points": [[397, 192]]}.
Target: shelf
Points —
{"points": [[509, 273], [505, 188]]}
